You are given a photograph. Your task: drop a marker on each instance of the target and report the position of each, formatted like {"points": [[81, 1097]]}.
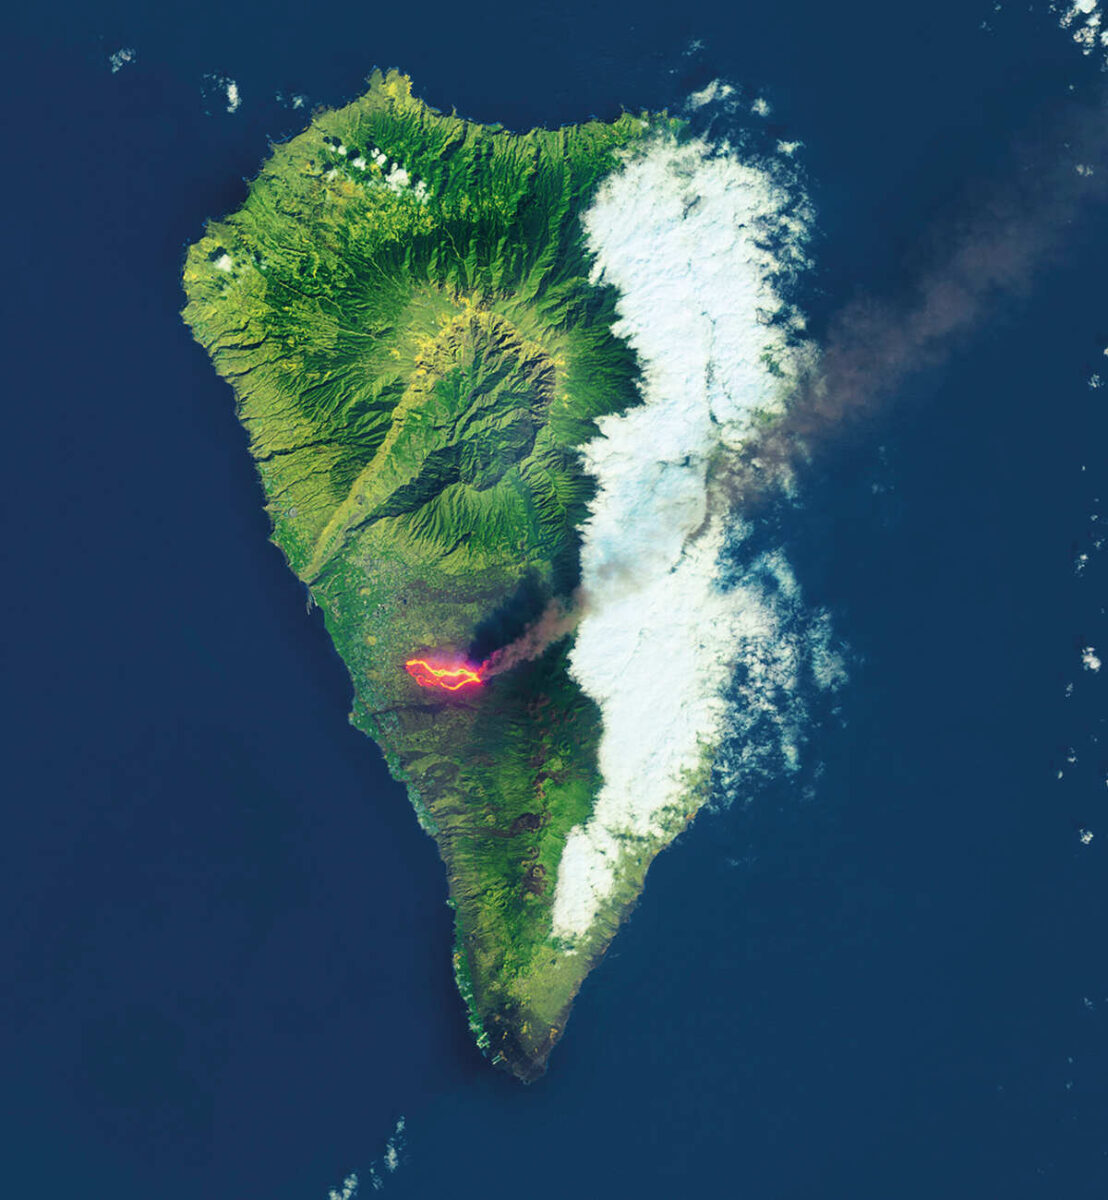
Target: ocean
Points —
{"points": [[226, 940]]}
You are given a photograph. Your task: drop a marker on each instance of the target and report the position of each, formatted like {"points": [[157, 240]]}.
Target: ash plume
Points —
{"points": [[559, 620], [989, 253]]}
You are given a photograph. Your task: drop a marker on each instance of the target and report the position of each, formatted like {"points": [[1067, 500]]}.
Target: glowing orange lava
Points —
{"points": [[452, 677]]}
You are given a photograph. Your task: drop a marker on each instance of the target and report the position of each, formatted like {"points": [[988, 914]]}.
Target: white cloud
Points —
{"points": [[1084, 19], [716, 90], [121, 57], [684, 233], [389, 1161], [349, 1189], [1089, 659], [227, 91]]}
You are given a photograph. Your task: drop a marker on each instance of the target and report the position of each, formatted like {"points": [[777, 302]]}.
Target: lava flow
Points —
{"points": [[452, 677]]}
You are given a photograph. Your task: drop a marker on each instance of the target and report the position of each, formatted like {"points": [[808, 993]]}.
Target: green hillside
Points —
{"points": [[403, 310]]}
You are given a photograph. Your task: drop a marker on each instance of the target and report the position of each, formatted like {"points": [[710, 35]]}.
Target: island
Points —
{"points": [[406, 309]]}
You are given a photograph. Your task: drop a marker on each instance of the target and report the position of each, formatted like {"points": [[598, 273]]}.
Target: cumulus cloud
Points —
{"points": [[709, 94], [379, 1170], [348, 1190], [1084, 20], [222, 90], [695, 241], [118, 59]]}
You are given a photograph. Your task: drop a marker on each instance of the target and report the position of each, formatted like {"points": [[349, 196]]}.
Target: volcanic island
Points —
{"points": [[405, 309]]}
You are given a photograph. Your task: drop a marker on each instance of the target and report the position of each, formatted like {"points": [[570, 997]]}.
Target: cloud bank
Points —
{"points": [[689, 655], [697, 244]]}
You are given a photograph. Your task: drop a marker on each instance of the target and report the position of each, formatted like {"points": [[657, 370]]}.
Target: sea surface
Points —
{"points": [[225, 944]]}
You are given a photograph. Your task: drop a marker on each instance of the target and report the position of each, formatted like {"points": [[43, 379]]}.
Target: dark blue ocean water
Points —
{"points": [[224, 938]]}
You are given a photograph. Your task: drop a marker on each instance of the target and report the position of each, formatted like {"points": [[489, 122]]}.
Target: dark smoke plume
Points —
{"points": [[559, 620]]}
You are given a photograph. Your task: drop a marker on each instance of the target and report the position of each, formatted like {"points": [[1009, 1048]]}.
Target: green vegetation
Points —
{"points": [[402, 307]]}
